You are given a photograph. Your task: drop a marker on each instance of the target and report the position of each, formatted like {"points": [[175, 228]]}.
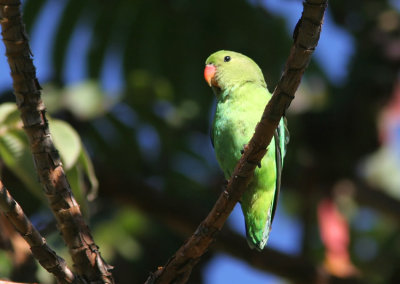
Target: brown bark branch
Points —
{"points": [[84, 252], [183, 217], [40, 250], [11, 282], [306, 36]]}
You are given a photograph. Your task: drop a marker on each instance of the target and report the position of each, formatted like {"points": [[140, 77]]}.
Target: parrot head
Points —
{"points": [[226, 69]]}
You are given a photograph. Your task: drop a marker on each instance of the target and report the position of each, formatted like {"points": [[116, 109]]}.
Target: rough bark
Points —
{"points": [[306, 36], [84, 252], [183, 217], [40, 250], [11, 282]]}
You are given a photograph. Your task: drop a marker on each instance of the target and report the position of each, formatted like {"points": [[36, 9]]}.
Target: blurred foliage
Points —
{"points": [[154, 130], [16, 155]]}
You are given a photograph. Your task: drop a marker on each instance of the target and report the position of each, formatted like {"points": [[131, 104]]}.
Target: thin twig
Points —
{"points": [[40, 250], [306, 36], [84, 252]]}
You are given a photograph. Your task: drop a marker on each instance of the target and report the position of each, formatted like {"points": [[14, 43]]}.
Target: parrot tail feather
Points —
{"points": [[258, 240]]}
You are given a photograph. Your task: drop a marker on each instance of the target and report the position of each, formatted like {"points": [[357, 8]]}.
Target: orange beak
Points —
{"points": [[209, 74]]}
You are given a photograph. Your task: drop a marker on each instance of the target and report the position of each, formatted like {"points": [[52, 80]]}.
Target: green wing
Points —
{"points": [[281, 136]]}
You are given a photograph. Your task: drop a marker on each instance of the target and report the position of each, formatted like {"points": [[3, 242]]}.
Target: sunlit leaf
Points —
{"points": [[86, 100], [67, 142], [16, 155], [6, 110]]}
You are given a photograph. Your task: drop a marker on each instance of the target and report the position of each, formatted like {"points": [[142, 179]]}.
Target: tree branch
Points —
{"points": [[182, 217], [76, 234], [11, 282], [306, 36], [40, 250]]}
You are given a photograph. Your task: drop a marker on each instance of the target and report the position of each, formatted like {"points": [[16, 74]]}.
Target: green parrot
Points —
{"points": [[242, 94]]}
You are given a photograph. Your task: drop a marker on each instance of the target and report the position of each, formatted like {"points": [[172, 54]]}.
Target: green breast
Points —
{"points": [[237, 114]]}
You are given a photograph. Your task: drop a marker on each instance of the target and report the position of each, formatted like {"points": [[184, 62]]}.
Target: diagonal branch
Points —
{"points": [[183, 217], [84, 252], [11, 282], [40, 250], [306, 36]]}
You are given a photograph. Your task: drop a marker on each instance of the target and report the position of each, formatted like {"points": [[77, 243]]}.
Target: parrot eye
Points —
{"points": [[227, 58]]}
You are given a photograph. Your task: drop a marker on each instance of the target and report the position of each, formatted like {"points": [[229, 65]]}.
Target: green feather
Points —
{"points": [[241, 98]]}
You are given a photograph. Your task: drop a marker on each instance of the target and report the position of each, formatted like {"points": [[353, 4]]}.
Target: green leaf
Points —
{"points": [[15, 153], [86, 100], [75, 179], [5, 110], [9, 115], [87, 168], [67, 142]]}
